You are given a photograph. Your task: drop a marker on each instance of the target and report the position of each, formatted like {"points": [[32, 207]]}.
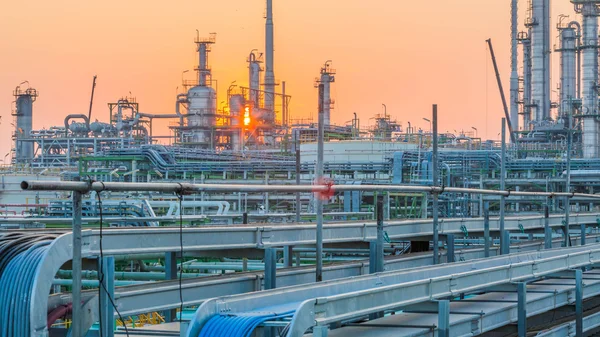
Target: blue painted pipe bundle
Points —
{"points": [[20, 256], [240, 325]]}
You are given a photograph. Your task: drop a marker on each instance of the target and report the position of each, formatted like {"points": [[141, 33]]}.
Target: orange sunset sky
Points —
{"points": [[407, 54]]}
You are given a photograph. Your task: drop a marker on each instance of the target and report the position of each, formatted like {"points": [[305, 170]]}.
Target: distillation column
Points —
{"points": [[327, 77], [540, 59], [568, 69], [202, 107], [24, 114], [269, 102], [514, 76], [254, 78], [589, 77], [526, 43]]}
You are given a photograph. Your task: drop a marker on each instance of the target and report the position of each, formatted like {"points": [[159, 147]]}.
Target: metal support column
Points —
{"points": [[298, 204], [578, 303], [288, 256], [170, 274], [270, 268], [444, 318], [107, 292], [320, 331], [522, 309], [379, 253], [372, 257], [568, 188], [319, 179], [486, 229], [450, 244], [436, 238], [505, 242], [547, 229], [77, 327], [245, 218], [503, 188]]}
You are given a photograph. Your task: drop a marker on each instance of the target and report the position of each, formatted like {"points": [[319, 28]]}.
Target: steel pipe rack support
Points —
{"points": [[345, 299], [522, 309], [163, 295], [450, 248], [444, 318], [170, 274], [486, 228], [503, 187], [504, 242], [379, 257], [578, 303], [107, 293], [435, 207], [547, 229], [270, 268], [77, 326]]}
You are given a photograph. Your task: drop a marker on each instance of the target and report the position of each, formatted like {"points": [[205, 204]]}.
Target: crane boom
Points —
{"points": [[92, 98], [506, 113]]}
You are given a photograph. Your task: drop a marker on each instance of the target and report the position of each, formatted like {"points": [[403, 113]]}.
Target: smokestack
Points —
{"points": [[269, 72]]}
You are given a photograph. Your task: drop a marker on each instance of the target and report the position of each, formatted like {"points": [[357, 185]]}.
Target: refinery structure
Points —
{"points": [[221, 225]]}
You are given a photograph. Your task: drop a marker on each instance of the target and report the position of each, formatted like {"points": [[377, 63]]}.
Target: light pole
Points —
{"points": [[428, 121], [474, 128]]}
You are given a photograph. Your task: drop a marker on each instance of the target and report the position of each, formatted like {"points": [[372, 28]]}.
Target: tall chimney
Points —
{"points": [[269, 73]]}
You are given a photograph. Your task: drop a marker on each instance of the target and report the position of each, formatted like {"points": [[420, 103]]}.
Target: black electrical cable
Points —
{"points": [[101, 274]]}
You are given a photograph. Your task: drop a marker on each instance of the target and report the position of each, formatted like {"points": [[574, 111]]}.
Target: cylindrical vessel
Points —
{"points": [[102, 128], [24, 113], [236, 105], [568, 65], [254, 78], [540, 59], [589, 79], [78, 127], [201, 116], [326, 80], [526, 83]]}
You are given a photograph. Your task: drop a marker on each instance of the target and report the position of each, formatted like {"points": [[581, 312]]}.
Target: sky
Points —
{"points": [[406, 54]]}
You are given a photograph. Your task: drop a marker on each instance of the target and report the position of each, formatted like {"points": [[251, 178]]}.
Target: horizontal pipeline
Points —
{"points": [[135, 276], [187, 188]]}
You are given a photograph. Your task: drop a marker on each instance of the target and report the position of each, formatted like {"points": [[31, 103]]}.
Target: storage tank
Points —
{"points": [[201, 115]]}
